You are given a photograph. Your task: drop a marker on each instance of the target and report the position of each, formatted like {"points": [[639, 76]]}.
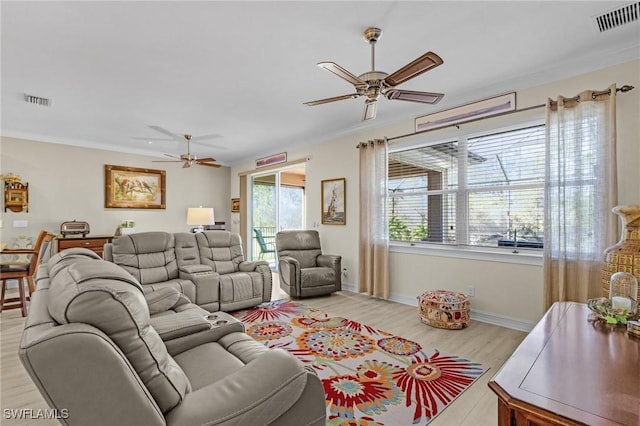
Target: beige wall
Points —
{"points": [[67, 183], [504, 290]]}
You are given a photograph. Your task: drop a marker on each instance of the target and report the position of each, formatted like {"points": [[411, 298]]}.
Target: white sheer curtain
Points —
{"points": [[580, 191], [373, 237]]}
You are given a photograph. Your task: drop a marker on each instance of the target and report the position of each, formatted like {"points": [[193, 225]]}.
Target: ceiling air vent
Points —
{"points": [[37, 100], [617, 17]]}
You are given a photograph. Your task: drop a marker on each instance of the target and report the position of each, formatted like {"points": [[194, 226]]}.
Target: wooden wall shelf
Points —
{"points": [[16, 197]]}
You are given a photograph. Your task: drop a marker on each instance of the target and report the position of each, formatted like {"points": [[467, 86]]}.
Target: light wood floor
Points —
{"points": [[487, 344]]}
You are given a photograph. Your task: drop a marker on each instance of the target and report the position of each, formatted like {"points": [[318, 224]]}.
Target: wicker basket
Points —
{"points": [[444, 309]]}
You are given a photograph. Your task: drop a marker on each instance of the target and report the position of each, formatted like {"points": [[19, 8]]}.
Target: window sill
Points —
{"points": [[523, 257]]}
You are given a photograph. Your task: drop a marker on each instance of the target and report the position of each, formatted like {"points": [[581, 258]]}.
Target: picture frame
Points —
{"points": [[134, 188], [271, 160], [235, 205], [449, 117], [334, 201]]}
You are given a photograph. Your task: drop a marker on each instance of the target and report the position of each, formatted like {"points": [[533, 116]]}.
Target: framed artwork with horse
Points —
{"points": [[134, 188]]}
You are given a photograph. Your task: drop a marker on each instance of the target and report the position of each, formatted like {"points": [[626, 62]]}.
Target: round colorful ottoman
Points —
{"points": [[444, 309]]}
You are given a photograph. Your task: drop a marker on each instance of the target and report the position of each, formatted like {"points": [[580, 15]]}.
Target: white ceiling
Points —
{"points": [[243, 69]]}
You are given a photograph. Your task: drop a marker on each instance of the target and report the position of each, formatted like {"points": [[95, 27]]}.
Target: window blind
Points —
{"points": [[481, 191]]}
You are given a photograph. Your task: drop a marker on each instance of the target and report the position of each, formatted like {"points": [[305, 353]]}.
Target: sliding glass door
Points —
{"points": [[277, 203]]}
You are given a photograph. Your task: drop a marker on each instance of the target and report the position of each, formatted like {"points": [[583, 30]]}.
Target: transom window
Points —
{"points": [[480, 191]]}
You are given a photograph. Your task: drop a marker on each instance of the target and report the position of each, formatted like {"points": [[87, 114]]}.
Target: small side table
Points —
{"points": [[95, 243]]}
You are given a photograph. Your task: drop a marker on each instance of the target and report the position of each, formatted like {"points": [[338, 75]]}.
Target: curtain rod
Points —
{"points": [[624, 89]]}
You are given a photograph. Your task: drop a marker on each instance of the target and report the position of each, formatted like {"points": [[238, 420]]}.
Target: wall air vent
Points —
{"points": [[617, 17], [37, 100]]}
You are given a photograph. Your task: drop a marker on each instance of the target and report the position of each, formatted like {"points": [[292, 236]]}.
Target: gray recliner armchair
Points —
{"points": [[304, 270], [92, 349]]}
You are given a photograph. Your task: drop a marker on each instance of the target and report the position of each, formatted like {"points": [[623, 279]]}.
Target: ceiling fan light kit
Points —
{"points": [[374, 83]]}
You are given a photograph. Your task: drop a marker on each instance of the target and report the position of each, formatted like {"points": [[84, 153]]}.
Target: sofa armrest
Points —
{"points": [[264, 269], [107, 252], [251, 266], [195, 268], [180, 324], [329, 261], [258, 393], [289, 270], [206, 281], [60, 358]]}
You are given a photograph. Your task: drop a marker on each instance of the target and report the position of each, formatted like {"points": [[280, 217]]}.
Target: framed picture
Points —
{"points": [[272, 159], [450, 117], [334, 202], [235, 205], [134, 188]]}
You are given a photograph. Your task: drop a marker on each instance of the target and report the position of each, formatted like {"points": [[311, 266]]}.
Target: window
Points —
{"points": [[480, 191]]}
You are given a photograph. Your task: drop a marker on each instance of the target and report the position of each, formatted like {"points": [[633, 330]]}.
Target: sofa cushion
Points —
{"points": [[187, 253], [105, 296], [198, 366], [240, 286], [163, 299], [301, 245], [314, 277], [222, 250], [149, 256], [184, 286]]}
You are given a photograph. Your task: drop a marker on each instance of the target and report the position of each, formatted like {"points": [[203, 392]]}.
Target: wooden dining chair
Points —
{"points": [[24, 272]]}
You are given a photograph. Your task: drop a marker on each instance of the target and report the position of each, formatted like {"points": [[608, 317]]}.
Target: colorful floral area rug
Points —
{"points": [[370, 377]]}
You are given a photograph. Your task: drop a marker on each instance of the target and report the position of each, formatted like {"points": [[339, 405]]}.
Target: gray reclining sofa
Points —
{"points": [[208, 268], [102, 351]]}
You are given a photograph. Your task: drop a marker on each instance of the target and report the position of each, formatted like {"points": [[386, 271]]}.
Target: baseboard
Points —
{"points": [[487, 317], [349, 287]]}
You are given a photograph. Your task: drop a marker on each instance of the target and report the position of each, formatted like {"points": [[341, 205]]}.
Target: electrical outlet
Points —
{"points": [[471, 291], [345, 272]]}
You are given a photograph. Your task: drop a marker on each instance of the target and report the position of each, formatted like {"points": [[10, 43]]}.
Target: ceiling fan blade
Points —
{"points": [[335, 98], [208, 145], [208, 164], [342, 73], [172, 156], [166, 132], [370, 108], [166, 161], [413, 96], [151, 139], [206, 159], [413, 69], [205, 137]]}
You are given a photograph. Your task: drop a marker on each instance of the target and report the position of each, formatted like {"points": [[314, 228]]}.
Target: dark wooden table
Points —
{"points": [[571, 370], [92, 242]]}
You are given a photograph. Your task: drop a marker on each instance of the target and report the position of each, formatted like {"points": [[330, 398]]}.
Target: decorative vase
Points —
{"points": [[623, 256]]}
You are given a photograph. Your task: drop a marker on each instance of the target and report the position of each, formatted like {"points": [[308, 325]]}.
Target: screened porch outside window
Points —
{"points": [[477, 191]]}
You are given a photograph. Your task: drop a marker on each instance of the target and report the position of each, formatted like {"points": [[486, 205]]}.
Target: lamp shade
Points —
{"points": [[200, 216]]}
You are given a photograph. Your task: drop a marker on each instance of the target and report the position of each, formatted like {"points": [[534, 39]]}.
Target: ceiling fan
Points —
{"points": [[189, 159], [180, 138], [374, 83]]}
